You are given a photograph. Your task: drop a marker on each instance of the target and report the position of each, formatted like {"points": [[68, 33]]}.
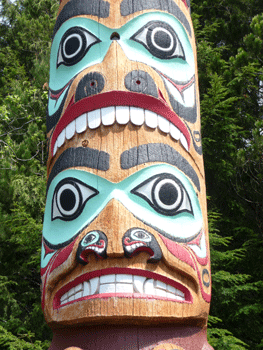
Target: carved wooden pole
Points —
{"points": [[125, 252]]}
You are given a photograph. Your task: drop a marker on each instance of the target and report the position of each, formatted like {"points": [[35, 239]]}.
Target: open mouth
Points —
{"points": [[121, 107], [121, 282]]}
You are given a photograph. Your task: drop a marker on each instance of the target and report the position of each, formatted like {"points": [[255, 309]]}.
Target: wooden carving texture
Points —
{"points": [[125, 248]]}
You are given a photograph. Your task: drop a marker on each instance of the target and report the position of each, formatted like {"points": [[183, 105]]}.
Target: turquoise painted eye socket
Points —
{"points": [[165, 194], [74, 45], [69, 199], [160, 39]]}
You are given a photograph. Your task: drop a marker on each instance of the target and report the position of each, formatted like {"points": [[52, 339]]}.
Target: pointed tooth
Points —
{"points": [[94, 119], [138, 282], [163, 124], [94, 284], [123, 278], [174, 132], [107, 288], [124, 288], [151, 119], [61, 138], [184, 141], [86, 290], [108, 115], [137, 115], [81, 123], [107, 279], [148, 287], [70, 130], [55, 148], [122, 114]]}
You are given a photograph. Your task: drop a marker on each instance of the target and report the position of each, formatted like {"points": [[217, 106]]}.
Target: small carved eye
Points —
{"points": [[74, 44], [160, 39], [165, 193], [69, 198]]}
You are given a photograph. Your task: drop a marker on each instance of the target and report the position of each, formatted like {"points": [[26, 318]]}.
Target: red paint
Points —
{"points": [[62, 256], [56, 96], [127, 239], [126, 271], [178, 251], [118, 98], [47, 249]]}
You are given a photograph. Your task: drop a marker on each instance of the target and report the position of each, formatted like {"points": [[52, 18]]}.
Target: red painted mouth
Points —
{"points": [[147, 275], [118, 98]]}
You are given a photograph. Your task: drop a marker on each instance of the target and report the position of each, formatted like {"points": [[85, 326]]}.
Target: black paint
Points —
{"points": [[80, 157], [205, 272], [51, 120], [158, 152], [75, 8], [85, 248], [142, 82], [91, 84], [129, 7]]}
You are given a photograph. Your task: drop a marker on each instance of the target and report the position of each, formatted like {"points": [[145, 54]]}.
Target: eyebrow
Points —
{"points": [[158, 152], [129, 7], [81, 157], [74, 8]]}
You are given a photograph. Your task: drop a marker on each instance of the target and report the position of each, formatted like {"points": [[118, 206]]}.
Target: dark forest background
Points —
{"points": [[229, 35]]}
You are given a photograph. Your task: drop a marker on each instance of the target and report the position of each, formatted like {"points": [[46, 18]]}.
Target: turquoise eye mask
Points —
{"points": [[160, 196]]}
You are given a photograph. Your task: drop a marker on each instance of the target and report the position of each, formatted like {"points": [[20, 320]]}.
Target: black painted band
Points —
{"points": [[158, 152]]}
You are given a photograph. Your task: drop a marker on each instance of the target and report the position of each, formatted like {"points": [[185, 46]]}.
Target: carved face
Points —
{"points": [[125, 233]]}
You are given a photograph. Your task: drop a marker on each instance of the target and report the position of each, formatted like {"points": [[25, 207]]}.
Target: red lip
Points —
{"points": [[118, 98], [117, 270]]}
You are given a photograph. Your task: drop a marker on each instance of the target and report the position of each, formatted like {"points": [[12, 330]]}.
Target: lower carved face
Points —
{"points": [[125, 235]]}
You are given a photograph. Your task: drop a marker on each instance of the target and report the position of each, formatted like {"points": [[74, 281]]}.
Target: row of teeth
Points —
{"points": [[122, 115], [122, 283]]}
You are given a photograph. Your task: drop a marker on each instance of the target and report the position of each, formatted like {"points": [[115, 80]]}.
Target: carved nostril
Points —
{"points": [[138, 82], [115, 36]]}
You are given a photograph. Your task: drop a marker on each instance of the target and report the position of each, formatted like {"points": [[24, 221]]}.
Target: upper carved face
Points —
{"points": [[125, 231]]}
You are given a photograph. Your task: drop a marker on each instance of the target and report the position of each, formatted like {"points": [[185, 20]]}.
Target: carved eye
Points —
{"points": [[74, 44], [69, 198], [165, 194], [160, 39]]}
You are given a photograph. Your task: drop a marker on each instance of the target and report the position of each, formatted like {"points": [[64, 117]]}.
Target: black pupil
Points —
{"points": [[140, 234], [72, 45], [162, 39], [89, 239], [168, 194], [67, 200]]}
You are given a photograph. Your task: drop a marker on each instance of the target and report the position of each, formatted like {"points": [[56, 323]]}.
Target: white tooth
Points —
{"points": [[137, 115], [171, 295], [94, 119], [124, 278], [163, 124], [107, 288], [138, 282], [86, 290], [124, 288], [107, 279], [129, 248], [71, 291], [108, 115], [189, 96], [160, 292], [64, 297], [170, 289], [178, 292], [159, 284], [55, 148], [78, 288], [81, 123], [148, 287], [183, 141], [94, 283], [71, 298], [174, 132], [150, 119], [78, 295], [64, 301], [122, 114], [61, 138], [70, 130]]}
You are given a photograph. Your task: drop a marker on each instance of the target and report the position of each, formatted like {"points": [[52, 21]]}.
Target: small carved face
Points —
{"points": [[125, 233]]}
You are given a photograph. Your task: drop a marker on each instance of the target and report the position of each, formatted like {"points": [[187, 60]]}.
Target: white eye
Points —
{"points": [[160, 39], [69, 199], [165, 193], [74, 45]]}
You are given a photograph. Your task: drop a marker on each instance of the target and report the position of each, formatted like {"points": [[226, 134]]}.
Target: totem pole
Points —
{"points": [[125, 250]]}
